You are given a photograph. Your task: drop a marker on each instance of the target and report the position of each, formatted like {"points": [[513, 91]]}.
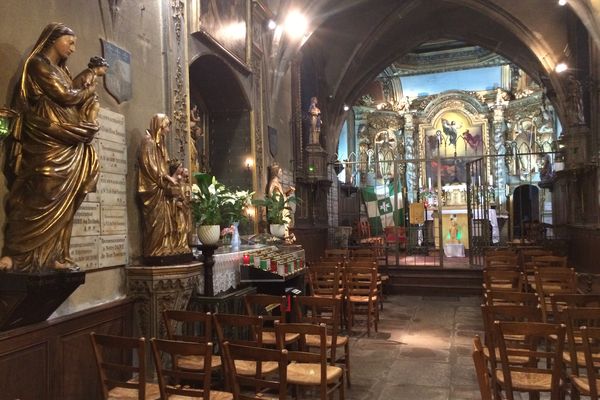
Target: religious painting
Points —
{"points": [[450, 142], [224, 21]]}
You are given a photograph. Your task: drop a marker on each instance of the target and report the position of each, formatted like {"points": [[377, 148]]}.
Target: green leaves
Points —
{"points": [[278, 207]]}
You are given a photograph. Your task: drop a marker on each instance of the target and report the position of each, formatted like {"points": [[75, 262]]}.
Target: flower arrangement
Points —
{"points": [[278, 207], [213, 203]]}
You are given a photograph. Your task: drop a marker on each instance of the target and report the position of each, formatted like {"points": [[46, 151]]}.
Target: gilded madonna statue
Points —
{"points": [[52, 161], [162, 194]]}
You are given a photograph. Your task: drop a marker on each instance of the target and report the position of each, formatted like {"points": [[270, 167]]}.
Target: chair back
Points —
{"points": [[550, 261], [114, 359], [560, 301], [575, 318], [503, 297], [363, 253], [275, 384], [591, 351], [481, 369], [325, 280], [510, 260], [360, 281], [531, 345], [188, 326], [271, 308], [320, 311], [549, 280], [336, 254], [170, 379], [239, 329], [503, 280]]}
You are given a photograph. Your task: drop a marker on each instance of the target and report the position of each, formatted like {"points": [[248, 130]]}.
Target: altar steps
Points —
{"points": [[432, 281]]}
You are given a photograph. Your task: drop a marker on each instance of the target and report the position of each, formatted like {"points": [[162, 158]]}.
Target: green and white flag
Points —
{"points": [[381, 210]]}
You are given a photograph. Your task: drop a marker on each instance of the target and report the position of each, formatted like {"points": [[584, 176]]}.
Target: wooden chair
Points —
{"points": [[553, 280], [505, 312], [362, 295], [272, 309], [362, 253], [506, 280], [197, 382], [264, 388], [325, 311], [191, 326], [325, 280], [588, 385], [510, 261], [381, 278], [575, 318], [527, 254], [482, 370], [114, 359], [312, 369], [534, 376], [244, 330]]}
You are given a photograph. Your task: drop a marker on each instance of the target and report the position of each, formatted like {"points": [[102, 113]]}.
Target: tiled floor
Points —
{"points": [[422, 351]]}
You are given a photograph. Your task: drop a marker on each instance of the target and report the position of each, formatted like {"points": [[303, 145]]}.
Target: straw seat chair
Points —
{"points": [[179, 384], [362, 295], [272, 309], [191, 326], [273, 387], [312, 369], [120, 379], [588, 384]]}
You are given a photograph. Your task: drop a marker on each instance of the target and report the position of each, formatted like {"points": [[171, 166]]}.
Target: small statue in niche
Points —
{"points": [[196, 149], [96, 67], [575, 102], [276, 185], [453, 231], [52, 159], [181, 206], [314, 114]]}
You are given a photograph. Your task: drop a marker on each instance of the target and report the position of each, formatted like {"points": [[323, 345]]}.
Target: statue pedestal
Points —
{"points": [[316, 162], [160, 288], [28, 298]]}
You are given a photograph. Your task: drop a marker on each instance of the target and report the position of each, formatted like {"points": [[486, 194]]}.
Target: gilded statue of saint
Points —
{"points": [[53, 163], [160, 193], [276, 185]]}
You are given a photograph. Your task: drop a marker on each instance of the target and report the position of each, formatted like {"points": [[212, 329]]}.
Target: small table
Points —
{"points": [[454, 250]]}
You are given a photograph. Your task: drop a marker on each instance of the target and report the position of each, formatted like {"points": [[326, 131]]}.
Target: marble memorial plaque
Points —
{"points": [[113, 250], [111, 188], [87, 220], [84, 251], [112, 126], [112, 157], [113, 220]]}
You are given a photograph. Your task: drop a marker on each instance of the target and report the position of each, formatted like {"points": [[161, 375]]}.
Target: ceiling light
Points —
{"points": [[562, 2], [271, 24], [346, 108], [295, 24], [561, 67]]}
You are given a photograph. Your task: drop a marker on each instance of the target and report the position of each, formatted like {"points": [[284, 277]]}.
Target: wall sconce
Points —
{"points": [[249, 164], [561, 67]]}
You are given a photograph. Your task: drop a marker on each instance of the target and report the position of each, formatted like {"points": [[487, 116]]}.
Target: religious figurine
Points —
{"points": [[453, 231], [159, 192], [575, 102], [96, 67], [315, 121], [53, 163], [196, 135], [181, 206], [276, 185]]}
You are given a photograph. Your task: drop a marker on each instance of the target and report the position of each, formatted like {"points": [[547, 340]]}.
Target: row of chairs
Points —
{"points": [[529, 352], [244, 359], [355, 284]]}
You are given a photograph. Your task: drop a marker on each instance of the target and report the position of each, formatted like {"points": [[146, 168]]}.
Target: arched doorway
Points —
{"points": [[223, 119], [525, 210]]}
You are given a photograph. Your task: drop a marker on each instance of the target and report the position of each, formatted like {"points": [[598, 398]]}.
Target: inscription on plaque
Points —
{"points": [[113, 157], [84, 251], [111, 188], [113, 220], [113, 250], [112, 126], [87, 220]]}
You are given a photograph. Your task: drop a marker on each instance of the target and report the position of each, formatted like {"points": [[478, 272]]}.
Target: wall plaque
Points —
{"points": [[113, 250], [113, 220], [111, 188], [112, 126], [118, 76], [84, 251], [112, 157], [87, 220]]}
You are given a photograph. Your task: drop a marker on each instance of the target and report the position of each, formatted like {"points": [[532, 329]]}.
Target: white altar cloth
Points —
{"points": [[454, 250]]}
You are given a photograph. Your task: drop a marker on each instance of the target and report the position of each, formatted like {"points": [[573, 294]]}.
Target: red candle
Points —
{"points": [[246, 259]]}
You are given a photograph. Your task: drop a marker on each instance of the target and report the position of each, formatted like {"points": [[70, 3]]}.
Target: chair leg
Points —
{"points": [[369, 313], [347, 359], [342, 388]]}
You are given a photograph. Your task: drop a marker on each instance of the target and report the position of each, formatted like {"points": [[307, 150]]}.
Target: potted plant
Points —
{"points": [[208, 197], [234, 212], [278, 211]]}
